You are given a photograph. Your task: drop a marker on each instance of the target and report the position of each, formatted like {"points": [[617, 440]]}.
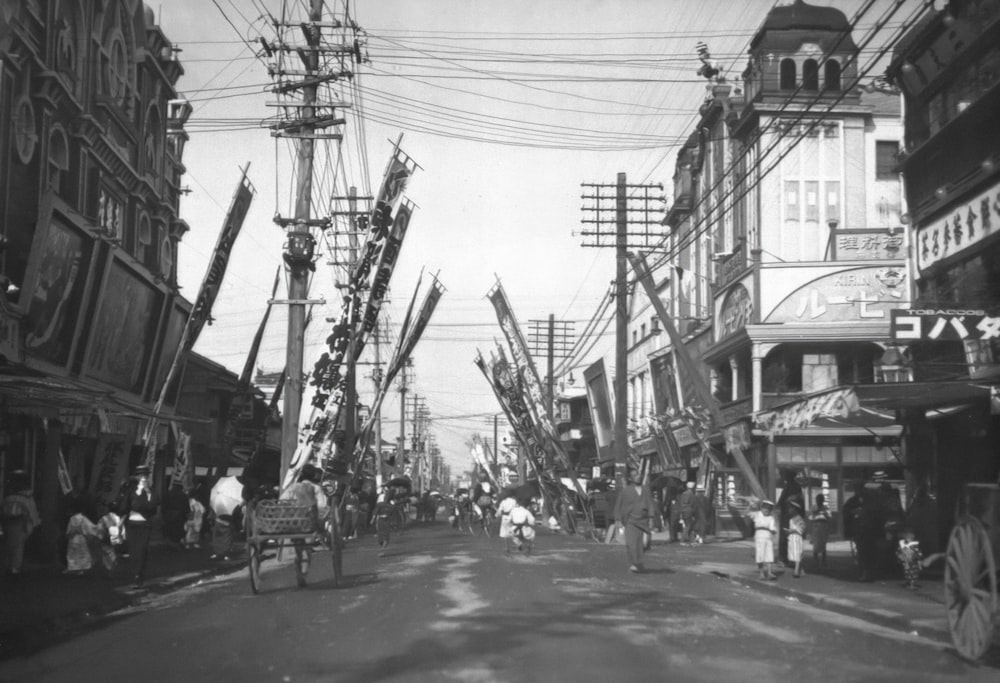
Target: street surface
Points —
{"points": [[440, 605]]}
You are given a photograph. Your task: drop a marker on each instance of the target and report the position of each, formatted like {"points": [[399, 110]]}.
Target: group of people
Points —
{"points": [[96, 534]]}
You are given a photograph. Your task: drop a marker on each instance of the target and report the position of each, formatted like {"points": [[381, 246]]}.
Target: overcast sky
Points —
{"points": [[507, 106]]}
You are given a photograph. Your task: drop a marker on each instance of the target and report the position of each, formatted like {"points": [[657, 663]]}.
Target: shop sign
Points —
{"points": [[110, 467], [839, 403], [859, 245], [858, 294], [737, 437], [962, 324], [736, 312], [965, 225], [683, 434]]}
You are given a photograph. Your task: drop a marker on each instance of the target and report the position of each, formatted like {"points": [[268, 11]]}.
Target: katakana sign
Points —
{"points": [[944, 324]]}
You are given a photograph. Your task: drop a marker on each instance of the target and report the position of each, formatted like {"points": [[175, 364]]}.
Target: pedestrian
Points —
{"points": [[307, 492], [507, 504], [764, 528], [820, 521], [351, 511], [384, 510], [112, 537], [194, 521], [791, 492], [141, 504], [796, 536], [686, 501], [523, 526], [702, 515], [19, 517], [908, 554], [81, 534], [633, 509]]}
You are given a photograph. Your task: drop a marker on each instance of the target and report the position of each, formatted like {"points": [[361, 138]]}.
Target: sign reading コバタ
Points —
{"points": [[944, 324]]}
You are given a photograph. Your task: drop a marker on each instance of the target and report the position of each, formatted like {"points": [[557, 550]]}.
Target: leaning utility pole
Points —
{"points": [[614, 199]]}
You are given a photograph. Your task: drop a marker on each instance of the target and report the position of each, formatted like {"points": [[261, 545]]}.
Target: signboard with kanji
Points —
{"points": [[966, 224], [867, 245]]}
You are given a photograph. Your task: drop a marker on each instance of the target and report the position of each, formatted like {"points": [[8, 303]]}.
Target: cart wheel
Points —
{"points": [[970, 588], [253, 553], [301, 564]]}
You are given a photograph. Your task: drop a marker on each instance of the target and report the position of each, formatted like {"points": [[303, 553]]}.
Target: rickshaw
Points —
{"points": [[274, 524], [970, 575]]}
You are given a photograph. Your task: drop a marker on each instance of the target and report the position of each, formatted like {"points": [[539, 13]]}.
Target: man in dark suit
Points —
{"points": [[633, 510], [141, 504]]}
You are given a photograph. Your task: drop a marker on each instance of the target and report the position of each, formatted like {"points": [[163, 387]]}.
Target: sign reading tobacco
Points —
{"points": [[944, 324]]}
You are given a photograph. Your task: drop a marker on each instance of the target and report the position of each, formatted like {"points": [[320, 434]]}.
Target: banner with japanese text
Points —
{"points": [[110, 467]]}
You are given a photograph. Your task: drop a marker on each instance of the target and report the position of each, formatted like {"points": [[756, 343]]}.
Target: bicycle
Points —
{"points": [[487, 520]]}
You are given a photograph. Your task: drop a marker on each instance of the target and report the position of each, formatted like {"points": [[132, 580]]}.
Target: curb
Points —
{"points": [[895, 621]]}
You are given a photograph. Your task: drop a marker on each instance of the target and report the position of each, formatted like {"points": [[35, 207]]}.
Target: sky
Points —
{"points": [[507, 107]]}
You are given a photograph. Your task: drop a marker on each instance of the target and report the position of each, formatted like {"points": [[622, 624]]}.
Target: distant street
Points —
{"points": [[445, 606]]}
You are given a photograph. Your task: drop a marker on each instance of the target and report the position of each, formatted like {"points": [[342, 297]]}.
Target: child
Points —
{"points": [[507, 505], [80, 531], [523, 523], [193, 523], [796, 534], [820, 519], [908, 554], [765, 527], [112, 537]]}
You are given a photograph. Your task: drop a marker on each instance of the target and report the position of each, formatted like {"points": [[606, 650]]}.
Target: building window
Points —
{"points": [[831, 79], [812, 191], [886, 153], [810, 75], [787, 74], [58, 159]]}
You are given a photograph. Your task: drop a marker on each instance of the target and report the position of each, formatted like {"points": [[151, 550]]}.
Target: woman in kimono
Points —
{"points": [[80, 535]]}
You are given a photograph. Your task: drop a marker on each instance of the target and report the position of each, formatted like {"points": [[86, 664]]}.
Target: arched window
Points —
{"points": [[788, 74], [831, 75], [58, 159], [810, 75]]}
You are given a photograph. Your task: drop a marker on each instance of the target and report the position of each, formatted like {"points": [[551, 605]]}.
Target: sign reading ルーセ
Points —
{"points": [[944, 324], [964, 225]]}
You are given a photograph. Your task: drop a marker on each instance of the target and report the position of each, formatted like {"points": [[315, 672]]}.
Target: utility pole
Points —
{"points": [[554, 338], [401, 454], [301, 245], [615, 199]]}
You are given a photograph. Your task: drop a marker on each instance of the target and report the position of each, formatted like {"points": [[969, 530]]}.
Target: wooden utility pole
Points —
{"points": [[377, 378], [619, 195], [301, 244], [553, 338]]}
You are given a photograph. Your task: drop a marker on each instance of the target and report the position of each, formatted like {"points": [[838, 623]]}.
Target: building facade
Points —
{"points": [[91, 144], [785, 258], [948, 68]]}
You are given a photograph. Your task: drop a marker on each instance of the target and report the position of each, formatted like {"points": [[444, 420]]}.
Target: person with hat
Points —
{"points": [[686, 501], [796, 536], [791, 492], [141, 504], [633, 510], [19, 516], [764, 528]]}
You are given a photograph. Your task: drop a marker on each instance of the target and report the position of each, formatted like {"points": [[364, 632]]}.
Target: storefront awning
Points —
{"points": [[859, 403]]}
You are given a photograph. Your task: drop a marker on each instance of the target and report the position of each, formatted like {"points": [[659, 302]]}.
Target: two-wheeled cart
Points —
{"points": [[970, 575], [274, 524]]}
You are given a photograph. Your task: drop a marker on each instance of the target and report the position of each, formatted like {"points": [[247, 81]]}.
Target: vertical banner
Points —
{"points": [[183, 474], [386, 264], [110, 467], [202, 310]]}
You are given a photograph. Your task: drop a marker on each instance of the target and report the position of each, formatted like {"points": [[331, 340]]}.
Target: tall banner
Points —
{"points": [[534, 397], [386, 264], [110, 467], [202, 310], [408, 338], [183, 470]]}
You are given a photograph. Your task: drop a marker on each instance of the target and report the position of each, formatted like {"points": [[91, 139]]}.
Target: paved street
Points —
{"points": [[444, 606]]}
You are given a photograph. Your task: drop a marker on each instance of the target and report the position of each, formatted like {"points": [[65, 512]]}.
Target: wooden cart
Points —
{"points": [[970, 576], [273, 524]]}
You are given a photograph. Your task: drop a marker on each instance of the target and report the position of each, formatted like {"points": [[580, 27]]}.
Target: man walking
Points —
{"points": [[687, 511], [633, 510]]}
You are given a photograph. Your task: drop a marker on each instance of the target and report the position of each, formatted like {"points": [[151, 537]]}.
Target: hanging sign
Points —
{"points": [[965, 225]]}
